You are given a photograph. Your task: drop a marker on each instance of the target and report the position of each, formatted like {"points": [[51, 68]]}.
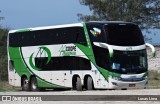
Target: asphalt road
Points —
{"points": [[141, 96]]}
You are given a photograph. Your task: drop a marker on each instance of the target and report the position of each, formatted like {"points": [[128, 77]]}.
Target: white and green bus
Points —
{"points": [[90, 55]]}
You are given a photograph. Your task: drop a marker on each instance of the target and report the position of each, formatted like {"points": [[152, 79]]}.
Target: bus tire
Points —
{"points": [[25, 84], [90, 84], [34, 84], [78, 84]]}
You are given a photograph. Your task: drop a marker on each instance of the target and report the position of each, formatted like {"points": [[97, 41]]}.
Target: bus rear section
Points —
{"points": [[51, 57]]}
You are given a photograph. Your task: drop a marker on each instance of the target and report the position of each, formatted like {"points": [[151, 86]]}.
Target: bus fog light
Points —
{"points": [[114, 83]]}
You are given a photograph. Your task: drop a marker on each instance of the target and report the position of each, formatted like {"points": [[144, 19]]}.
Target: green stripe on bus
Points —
{"points": [[18, 64], [21, 68], [42, 83], [23, 30], [88, 51]]}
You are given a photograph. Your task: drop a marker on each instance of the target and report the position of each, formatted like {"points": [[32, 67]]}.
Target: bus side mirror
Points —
{"points": [[153, 53], [110, 49]]}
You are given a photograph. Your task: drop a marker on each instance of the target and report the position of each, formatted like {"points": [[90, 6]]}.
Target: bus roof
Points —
{"points": [[69, 25], [110, 22], [46, 27]]}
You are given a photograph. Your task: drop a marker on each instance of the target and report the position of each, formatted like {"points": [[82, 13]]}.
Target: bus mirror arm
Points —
{"points": [[153, 54], [110, 49]]}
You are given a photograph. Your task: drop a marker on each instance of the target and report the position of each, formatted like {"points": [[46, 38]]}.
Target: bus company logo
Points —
{"points": [[96, 31], [43, 49], [67, 50]]}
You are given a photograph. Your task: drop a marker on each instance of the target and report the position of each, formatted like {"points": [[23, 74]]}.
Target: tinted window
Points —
{"points": [[48, 37], [124, 35], [63, 63], [101, 57]]}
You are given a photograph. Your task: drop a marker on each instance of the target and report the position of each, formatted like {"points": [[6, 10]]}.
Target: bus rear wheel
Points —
{"points": [[25, 84], [78, 84], [34, 84], [90, 84]]}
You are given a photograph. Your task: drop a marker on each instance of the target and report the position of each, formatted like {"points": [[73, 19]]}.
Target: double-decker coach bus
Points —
{"points": [[90, 55]]}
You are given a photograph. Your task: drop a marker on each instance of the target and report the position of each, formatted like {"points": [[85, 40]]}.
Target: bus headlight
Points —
{"points": [[115, 78]]}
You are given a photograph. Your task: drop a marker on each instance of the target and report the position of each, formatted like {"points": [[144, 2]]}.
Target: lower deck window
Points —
{"points": [[63, 63]]}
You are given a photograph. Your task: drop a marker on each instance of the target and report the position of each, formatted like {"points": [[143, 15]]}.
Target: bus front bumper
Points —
{"points": [[116, 84]]}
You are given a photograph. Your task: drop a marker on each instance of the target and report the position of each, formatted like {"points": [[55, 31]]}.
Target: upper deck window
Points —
{"points": [[123, 35], [47, 37]]}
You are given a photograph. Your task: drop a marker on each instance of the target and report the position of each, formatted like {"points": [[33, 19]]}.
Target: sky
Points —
{"points": [[35, 13], [32, 13]]}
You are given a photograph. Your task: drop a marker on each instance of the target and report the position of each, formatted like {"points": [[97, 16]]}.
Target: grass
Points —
{"points": [[154, 82], [154, 79], [5, 87]]}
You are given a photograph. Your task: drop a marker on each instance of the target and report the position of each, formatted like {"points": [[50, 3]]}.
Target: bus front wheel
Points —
{"points": [[25, 84], [90, 84], [34, 84], [78, 84]]}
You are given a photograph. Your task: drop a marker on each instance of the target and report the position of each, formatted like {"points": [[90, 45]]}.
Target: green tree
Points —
{"points": [[3, 52], [146, 13]]}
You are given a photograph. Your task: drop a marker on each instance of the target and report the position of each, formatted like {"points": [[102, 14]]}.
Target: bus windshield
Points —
{"points": [[126, 62]]}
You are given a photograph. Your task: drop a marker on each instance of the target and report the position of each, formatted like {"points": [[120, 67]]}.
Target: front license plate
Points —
{"points": [[132, 85]]}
